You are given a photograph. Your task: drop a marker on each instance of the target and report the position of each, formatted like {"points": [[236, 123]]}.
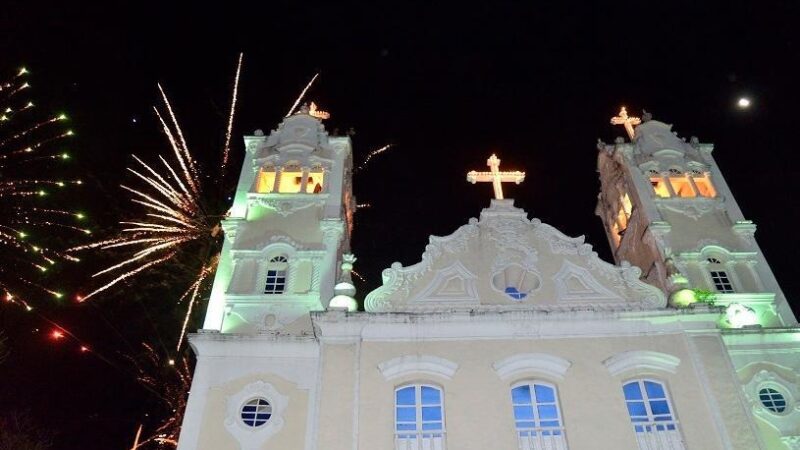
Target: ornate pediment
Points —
{"points": [[506, 262]]}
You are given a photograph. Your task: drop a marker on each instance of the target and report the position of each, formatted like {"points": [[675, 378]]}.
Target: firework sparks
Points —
{"points": [[371, 155], [302, 94], [229, 131], [29, 143], [173, 387]]}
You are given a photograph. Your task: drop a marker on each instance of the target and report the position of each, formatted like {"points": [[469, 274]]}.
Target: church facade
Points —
{"points": [[507, 334]]}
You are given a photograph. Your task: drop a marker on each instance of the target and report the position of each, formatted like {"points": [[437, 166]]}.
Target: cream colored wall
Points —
{"points": [[214, 436], [337, 398], [478, 412]]}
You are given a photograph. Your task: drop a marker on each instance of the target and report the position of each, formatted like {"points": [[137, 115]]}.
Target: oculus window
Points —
{"points": [[256, 412]]}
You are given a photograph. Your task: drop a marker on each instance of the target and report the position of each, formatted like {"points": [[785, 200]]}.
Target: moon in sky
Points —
{"points": [[743, 103]]}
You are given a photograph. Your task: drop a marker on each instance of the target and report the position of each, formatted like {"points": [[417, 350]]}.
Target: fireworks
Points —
{"points": [[176, 217], [172, 386], [30, 144], [371, 155]]}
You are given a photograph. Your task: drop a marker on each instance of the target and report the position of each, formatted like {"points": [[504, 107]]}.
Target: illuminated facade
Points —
{"points": [[507, 334]]}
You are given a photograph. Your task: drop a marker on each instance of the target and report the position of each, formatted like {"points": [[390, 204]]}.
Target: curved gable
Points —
{"points": [[503, 261]]}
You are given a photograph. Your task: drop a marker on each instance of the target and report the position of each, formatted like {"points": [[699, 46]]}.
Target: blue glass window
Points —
{"points": [[536, 410], [648, 406], [256, 412], [418, 411]]}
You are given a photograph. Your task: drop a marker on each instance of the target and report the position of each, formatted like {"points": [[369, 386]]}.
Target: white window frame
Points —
{"points": [[419, 438], [722, 281], [648, 434], [539, 436], [280, 277]]}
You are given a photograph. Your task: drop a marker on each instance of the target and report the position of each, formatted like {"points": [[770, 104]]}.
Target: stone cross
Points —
{"points": [[495, 176], [627, 122]]}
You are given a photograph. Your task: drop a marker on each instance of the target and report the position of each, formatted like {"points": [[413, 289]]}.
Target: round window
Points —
{"points": [[516, 282], [256, 412], [772, 400]]}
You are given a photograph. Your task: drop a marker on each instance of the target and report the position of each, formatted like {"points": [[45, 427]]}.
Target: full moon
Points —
{"points": [[743, 103]]}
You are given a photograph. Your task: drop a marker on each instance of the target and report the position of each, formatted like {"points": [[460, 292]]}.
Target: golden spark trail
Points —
{"points": [[227, 147], [302, 94]]}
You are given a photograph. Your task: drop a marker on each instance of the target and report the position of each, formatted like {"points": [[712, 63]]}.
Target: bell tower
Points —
{"points": [[287, 231], [666, 208]]}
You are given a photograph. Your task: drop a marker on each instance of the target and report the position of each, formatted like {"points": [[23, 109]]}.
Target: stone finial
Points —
{"points": [[646, 116]]}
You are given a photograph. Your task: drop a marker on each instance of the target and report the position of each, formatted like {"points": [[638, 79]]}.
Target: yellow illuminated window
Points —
{"points": [[625, 202], [314, 181], [681, 186], [266, 180], [659, 186], [704, 186], [615, 236], [291, 179]]}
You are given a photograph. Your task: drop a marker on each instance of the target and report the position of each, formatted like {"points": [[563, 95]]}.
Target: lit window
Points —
{"points": [[256, 412], [772, 400], [314, 180], [626, 205], [704, 186], [721, 282], [651, 415], [265, 182], [537, 417], [419, 417], [681, 185], [291, 178], [659, 186], [276, 275]]}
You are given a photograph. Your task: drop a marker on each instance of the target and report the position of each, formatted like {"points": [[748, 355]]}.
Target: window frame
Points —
{"points": [[277, 275], [419, 432], [255, 419], [651, 420], [537, 429], [721, 281]]}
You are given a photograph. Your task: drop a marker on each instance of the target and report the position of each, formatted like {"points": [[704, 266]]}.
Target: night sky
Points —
{"points": [[447, 85]]}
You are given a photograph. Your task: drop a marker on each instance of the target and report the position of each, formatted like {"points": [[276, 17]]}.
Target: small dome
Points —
{"points": [[344, 288], [344, 301]]}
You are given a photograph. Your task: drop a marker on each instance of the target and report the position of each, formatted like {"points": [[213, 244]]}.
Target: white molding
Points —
{"points": [[786, 422], [253, 438], [594, 291], [417, 364], [433, 293], [549, 365], [641, 359]]}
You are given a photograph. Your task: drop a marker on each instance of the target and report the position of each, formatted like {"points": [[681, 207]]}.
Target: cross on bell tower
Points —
{"points": [[627, 122], [495, 176]]}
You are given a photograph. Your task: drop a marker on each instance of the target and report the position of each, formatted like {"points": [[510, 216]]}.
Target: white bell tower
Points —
{"points": [[667, 208], [287, 230]]}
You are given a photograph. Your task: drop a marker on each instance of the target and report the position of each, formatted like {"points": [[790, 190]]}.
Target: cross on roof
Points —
{"points": [[627, 122], [495, 176]]}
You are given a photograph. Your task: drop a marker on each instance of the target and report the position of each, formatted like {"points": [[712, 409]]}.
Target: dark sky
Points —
{"points": [[535, 82]]}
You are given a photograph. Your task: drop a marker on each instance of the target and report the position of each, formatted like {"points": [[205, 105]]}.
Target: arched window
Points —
{"points": [[419, 417], [537, 416], [719, 276], [652, 415], [276, 275], [516, 282]]}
